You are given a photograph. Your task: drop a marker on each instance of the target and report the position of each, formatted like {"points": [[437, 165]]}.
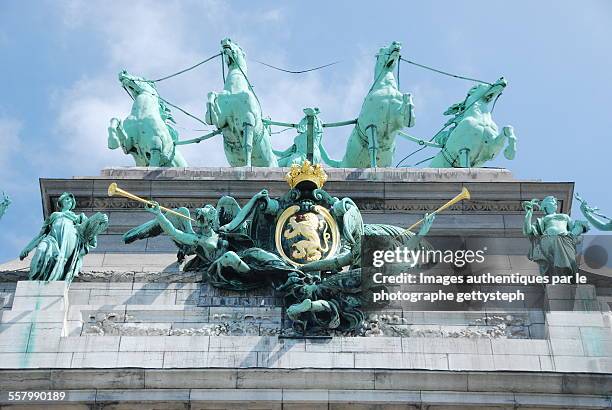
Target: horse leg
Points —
{"points": [[440, 161], [464, 158], [178, 160], [155, 151], [407, 110], [212, 109], [114, 134], [372, 144], [248, 143], [510, 150], [155, 160]]}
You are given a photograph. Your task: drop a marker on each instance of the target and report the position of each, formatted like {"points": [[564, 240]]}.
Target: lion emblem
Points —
{"points": [[308, 226]]}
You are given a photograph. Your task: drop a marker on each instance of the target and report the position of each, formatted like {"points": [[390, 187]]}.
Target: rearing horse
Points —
{"points": [[146, 133], [237, 112], [473, 138], [385, 111]]}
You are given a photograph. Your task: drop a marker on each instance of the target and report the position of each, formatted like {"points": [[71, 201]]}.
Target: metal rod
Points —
{"points": [[340, 124], [310, 138], [199, 139], [418, 140], [280, 124]]}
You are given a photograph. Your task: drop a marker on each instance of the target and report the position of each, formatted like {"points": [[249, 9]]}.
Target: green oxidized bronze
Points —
{"points": [[597, 219], [473, 138], [147, 133], [298, 152], [237, 112], [469, 139], [63, 241], [4, 204], [289, 243], [385, 111], [553, 237]]}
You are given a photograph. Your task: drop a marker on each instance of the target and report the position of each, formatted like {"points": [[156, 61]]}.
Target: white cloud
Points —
{"points": [[84, 114]]}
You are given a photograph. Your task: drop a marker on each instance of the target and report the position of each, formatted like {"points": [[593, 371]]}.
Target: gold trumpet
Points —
{"points": [[114, 190], [464, 194]]}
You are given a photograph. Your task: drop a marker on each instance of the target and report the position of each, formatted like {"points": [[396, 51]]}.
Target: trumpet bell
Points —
{"points": [[112, 189]]}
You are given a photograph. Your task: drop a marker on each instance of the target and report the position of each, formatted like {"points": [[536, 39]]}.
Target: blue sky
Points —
{"points": [[59, 62]]}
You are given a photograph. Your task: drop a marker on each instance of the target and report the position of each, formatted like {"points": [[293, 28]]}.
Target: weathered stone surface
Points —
{"points": [[236, 396], [34, 360], [100, 379], [192, 378], [413, 380], [515, 382], [446, 345], [562, 401], [334, 174], [38, 288], [85, 344], [582, 364], [457, 361], [594, 319], [297, 360], [471, 399], [313, 378], [566, 347], [164, 343], [522, 347], [401, 361], [209, 359], [17, 380]]}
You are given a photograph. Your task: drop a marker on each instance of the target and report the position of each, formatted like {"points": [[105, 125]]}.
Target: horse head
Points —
{"points": [[233, 55], [480, 95], [135, 85], [386, 59]]}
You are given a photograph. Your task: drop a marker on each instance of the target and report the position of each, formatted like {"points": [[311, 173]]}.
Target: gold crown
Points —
{"points": [[306, 172]]}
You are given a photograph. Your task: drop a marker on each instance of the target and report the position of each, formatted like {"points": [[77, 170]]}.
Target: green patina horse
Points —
{"points": [[146, 133], [237, 112], [385, 111], [474, 138]]}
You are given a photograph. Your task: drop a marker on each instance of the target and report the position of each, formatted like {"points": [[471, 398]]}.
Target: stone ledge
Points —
{"points": [[334, 174], [280, 398], [336, 379]]}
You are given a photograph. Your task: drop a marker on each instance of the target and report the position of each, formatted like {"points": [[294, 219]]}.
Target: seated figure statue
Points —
{"points": [[553, 237], [63, 241]]}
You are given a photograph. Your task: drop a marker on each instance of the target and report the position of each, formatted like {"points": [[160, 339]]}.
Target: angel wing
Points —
{"points": [[352, 221], [227, 209]]}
